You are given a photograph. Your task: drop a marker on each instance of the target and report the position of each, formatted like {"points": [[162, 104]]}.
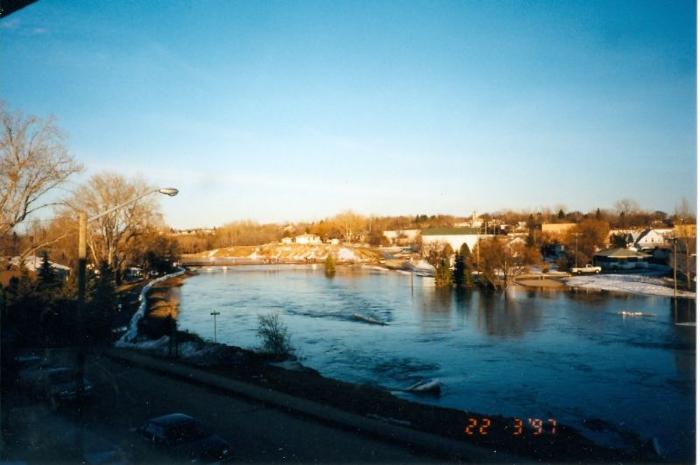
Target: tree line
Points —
{"points": [[349, 226]]}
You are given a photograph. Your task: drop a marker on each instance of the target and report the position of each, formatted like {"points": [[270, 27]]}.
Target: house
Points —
{"points": [[621, 259], [33, 263], [287, 240], [334, 241], [308, 239], [650, 239], [623, 237], [557, 228], [401, 236], [453, 236]]}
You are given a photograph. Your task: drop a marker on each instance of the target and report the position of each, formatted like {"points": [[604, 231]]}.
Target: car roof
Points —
{"points": [[172, 419], [58, 370]]}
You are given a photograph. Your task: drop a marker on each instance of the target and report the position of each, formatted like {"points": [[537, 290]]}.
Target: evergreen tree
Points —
{"points": [[48, 282], [443, 274], [597, 214], [330, 266], [103, 303], [24, 286], [458, 272], [468, 265], [561, 215]]}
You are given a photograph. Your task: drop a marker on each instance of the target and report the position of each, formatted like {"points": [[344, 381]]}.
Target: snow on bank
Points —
{"points": [[346, 254], [202, 353], [631, 283], [132, 332]]}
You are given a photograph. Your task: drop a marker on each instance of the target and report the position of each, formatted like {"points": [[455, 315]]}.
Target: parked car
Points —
{"points": [[56, 384], [184, 438], [588, 269]]}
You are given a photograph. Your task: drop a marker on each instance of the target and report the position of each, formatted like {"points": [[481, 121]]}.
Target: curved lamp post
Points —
{"points": [[82, 263]]}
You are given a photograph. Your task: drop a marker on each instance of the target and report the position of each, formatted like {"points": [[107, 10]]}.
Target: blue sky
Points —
{"points": [[297, 110]]}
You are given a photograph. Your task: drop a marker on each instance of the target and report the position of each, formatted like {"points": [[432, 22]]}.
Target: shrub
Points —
{"points": [[330, 266], [274, 334]]}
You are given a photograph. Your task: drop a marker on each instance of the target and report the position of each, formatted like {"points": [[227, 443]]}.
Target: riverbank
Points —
{"points": [[567, 444], [276, 253]]}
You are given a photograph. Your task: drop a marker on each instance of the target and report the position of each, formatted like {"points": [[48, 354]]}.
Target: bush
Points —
{"points": [[330, 266], [274, 334]]}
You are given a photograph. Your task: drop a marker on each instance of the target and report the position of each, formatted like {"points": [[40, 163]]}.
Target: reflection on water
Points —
{"points": [[564, 354]]}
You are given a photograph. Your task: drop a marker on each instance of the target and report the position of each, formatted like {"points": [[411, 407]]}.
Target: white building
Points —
{"points": [[453, 236], [308, 239], [651, 239], [33, 263], [287, 240]]}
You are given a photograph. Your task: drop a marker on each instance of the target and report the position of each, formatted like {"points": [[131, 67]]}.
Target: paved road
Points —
{"points": [[126, 396]]}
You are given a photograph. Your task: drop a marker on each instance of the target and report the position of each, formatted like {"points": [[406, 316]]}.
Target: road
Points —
{"points": [[126, 396]]}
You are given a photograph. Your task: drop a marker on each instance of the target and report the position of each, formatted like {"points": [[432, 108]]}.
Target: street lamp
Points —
{"points": [[576, 235], [215, 314]]}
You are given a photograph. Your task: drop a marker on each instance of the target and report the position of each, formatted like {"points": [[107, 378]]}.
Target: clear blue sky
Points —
{"points": [[297, 110]]}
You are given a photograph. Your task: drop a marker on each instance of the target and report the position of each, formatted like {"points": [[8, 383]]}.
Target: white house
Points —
{"points": [[33, 263], [308, 239], [287, 240], [650, 239], [453, 236]]}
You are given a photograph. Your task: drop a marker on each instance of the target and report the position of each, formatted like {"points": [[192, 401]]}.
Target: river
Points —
{"points": [[530, 354]]}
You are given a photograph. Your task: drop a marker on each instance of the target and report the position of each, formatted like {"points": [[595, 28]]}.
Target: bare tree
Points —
{"points": [[500, 262], [110, 236], [350, 224], [33, 161], [626, 206]]}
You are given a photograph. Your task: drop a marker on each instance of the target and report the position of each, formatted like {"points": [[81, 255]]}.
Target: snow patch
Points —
{"points": [[634, 284], [131, 334], [346, 254]]}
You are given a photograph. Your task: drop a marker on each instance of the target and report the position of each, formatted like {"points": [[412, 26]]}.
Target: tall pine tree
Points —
{"points": [[463, 268], [48, 282], [103, 304]]}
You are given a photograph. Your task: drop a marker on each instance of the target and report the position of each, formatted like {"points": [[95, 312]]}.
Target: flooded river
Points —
{"points": [[572, 356]]}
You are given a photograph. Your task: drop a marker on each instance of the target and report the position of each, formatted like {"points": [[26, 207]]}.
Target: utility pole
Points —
{"points": [[675, 269], [576, 235], [215, 314], [80, 329], [675, 280], [82, 265]]}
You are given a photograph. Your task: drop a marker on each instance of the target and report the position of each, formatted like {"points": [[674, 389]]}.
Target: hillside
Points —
{"points": [[293, 253]]}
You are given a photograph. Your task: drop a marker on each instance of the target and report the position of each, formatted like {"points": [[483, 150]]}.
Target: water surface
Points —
{"points": [[544, 354]]}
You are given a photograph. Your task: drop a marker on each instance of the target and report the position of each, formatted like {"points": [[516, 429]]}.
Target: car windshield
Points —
{"points": [[186, 432]]}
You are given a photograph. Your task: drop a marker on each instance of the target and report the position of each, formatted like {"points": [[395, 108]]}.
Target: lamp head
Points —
{"points": [[171, 191]]}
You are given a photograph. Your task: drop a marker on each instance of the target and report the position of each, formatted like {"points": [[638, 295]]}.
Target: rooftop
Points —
{"points": [[621, 252], [450, 231]]}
